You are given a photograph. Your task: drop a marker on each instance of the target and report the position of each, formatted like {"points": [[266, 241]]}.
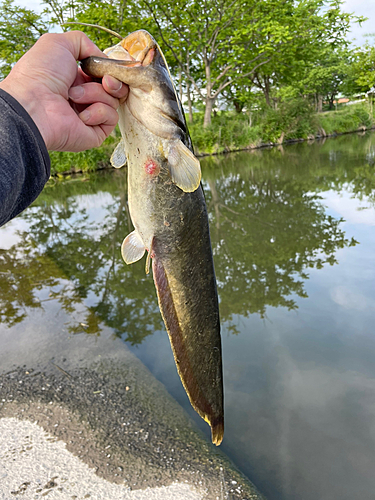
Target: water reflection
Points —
{"points": [[297, 385], [74, 233], [268, 223], [268, 230]]}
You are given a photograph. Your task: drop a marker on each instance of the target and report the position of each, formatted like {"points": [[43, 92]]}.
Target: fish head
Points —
{"points": [[139, 47], [138, 61]]}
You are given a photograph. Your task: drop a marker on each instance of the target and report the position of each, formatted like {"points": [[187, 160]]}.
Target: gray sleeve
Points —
{"points": [[24, 160]]}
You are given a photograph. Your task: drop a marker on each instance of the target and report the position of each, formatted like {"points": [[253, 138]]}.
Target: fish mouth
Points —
{"points": [[137, 47]]}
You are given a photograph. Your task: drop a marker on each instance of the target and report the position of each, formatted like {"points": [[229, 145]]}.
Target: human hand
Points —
{"points": [[72, 112]]}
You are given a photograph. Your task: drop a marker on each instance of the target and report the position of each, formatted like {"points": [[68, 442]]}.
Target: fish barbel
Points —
{"points": [[169, 214]]}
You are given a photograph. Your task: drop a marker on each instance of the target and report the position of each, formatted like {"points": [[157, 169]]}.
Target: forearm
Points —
{"points": [[24, 160]]}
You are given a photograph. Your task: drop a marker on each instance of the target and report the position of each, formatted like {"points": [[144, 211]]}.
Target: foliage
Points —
{"points": [[294, 119], [19, 30], [316, 42], [364, 67], [106, 13], [229, 131], [264, 59], [329, 74], [226, 133], [218, 47], [92, 159], [346, 120], [233, 41]]}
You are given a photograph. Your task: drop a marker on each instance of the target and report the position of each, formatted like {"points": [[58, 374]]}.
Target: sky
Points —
{"points": [[358, 7], [361, 8]]}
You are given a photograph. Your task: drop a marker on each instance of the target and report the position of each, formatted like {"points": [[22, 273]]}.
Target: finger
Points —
{"points": [[79, 45], [81, 78], [92, 92], [115, 87], [100, 114]]}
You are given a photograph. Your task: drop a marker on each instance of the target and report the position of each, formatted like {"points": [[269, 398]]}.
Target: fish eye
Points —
{"points": [[161, 62]]}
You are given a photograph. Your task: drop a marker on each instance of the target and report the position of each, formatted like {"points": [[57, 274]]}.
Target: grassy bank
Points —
{"points": [[291, 122], [230, 131]]}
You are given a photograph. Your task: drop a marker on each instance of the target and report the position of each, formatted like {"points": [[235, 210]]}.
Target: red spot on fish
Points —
{"points": [[151, 167]]}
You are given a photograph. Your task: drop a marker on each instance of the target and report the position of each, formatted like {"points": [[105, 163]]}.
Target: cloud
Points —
{"points": [[9, 233], [351, 209], [350, 298]]}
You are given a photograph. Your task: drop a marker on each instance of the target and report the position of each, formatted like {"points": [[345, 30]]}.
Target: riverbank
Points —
{"points": [[230, 131], [82, 417]]}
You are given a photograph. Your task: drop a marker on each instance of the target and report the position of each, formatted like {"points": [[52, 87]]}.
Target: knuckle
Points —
{"points": [[49, 37], [102, 111]]}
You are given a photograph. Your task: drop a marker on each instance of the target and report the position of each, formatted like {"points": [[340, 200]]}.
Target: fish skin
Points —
{"points": [[173, 225]]}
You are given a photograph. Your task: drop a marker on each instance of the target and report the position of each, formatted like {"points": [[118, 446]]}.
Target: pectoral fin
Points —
{"points": [[132, 248], [118, 158], [184, 167]]}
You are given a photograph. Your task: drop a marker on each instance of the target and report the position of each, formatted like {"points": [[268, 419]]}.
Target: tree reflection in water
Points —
{"points": [[268, 223]]}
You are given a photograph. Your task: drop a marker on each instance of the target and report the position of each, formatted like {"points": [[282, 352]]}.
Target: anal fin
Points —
{"points": [[148, 260], [194, 376]]}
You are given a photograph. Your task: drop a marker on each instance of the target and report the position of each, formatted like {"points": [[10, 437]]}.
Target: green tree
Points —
{"points": [[233, 42], [20, 28], [117, 15], [364, 67], [328, 76], [213, 46]]}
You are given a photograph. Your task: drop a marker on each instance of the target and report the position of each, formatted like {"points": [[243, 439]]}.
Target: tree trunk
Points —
{"points": [[266, 92], [208, 111], [190, 104], [320, 104], [180, 83], [209, 100], [237, 106]]}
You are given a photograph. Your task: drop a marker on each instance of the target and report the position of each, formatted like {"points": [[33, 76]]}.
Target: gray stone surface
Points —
{"points": [[82, 417]]}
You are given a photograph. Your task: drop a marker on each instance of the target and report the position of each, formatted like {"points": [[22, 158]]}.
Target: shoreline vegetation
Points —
{"points": [[231, 132], [250, 74]]}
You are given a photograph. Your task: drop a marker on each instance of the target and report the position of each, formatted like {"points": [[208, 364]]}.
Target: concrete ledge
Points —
{"points": [[82, 417]]}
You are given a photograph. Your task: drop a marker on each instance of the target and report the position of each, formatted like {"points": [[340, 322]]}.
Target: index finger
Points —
{"points": [[79, 45]]}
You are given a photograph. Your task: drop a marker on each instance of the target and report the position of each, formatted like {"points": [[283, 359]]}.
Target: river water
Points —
{"points": [[293, 236]]}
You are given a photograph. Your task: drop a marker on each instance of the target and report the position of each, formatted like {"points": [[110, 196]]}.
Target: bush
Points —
{"points": [[92, 159], [294, 119], [347, 119], [227, 132]]}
